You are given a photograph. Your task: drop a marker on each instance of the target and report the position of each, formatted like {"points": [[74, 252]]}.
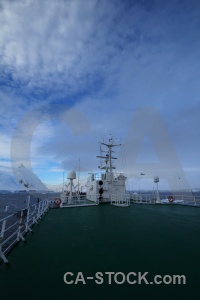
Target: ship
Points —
{"points": [[85, 247], [101, 187], [107, 187]]}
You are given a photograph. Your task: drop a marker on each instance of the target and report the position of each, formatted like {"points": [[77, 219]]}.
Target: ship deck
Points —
{"points": [[158, 239]]}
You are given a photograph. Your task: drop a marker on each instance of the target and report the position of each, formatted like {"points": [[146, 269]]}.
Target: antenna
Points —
{"points": [[108, 157], [78, 173], [71, 175], [63, 181], [156, 180]]}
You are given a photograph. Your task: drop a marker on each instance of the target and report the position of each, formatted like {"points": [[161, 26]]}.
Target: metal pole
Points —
{"points": [[70, 189], [3, 225], [28, 214], [1, 237], [19, 235], [158, 196], [78, 173], [2, 255], [63, 182]]}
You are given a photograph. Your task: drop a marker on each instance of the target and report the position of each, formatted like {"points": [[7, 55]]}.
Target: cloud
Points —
{"points": [[47, 45], [104, 59], [5, 147], [67, 48]]}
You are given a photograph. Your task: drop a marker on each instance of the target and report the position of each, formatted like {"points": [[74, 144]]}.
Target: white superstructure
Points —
{"points": [[105, 187]]}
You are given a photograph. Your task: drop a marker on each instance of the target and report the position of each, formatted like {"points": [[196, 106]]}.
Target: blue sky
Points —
{"points": [[72, 72]]}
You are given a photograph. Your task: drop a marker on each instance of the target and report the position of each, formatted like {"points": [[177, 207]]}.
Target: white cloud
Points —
{"points": [[5, 146], [69, 46], [5, 167], [106, 60], [44, 43]]}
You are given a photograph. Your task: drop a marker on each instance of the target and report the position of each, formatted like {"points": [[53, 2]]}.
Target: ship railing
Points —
{"points": [[120, 199], [14, 227], [93, 198], [74, 201], [142, 198], [152, 198], [188, 199], [117, 176]]}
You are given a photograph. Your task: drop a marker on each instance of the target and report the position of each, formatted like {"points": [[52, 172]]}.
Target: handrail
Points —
{"points": [[27, 217], [120, 199], [6, 217], [75, 201], [11, 226], [151, 198]]}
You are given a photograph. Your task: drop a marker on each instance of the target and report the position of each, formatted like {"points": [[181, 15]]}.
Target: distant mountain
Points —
{"points": [[55, 187], [22, 179], [196, 190], [9, 182]]}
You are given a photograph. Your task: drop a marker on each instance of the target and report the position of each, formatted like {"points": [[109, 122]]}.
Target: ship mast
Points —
{"points": [[108, 158]]}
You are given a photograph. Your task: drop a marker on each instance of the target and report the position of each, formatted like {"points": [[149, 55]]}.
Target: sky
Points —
{"points": [[74, 72]]}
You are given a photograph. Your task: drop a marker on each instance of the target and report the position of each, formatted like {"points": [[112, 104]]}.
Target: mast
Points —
{"points": [[78, 174], [109, 158], [63, 182]]}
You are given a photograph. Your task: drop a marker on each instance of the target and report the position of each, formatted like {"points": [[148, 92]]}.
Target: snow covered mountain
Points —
{"points": [[8, 182], [22, 179]]}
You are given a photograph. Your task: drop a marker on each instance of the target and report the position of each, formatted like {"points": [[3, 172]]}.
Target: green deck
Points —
{"points": [[160, 239]]}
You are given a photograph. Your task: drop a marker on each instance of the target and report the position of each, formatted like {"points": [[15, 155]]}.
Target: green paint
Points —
{"points": [[159, 239]]}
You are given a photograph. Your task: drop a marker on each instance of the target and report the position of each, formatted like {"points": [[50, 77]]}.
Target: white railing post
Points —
{"points": [[35, 216], [2, 255], [3, 225], [44, 206], [28, 213], [19, 234], [3, 229], [38, 212], [41, 208], [96, 200], [47, 205]]}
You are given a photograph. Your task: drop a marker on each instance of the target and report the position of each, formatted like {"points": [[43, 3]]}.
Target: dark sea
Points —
{"points": [[13, 202]]}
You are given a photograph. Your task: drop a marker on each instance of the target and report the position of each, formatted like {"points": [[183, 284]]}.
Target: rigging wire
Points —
{"points": [[123, 159]]}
